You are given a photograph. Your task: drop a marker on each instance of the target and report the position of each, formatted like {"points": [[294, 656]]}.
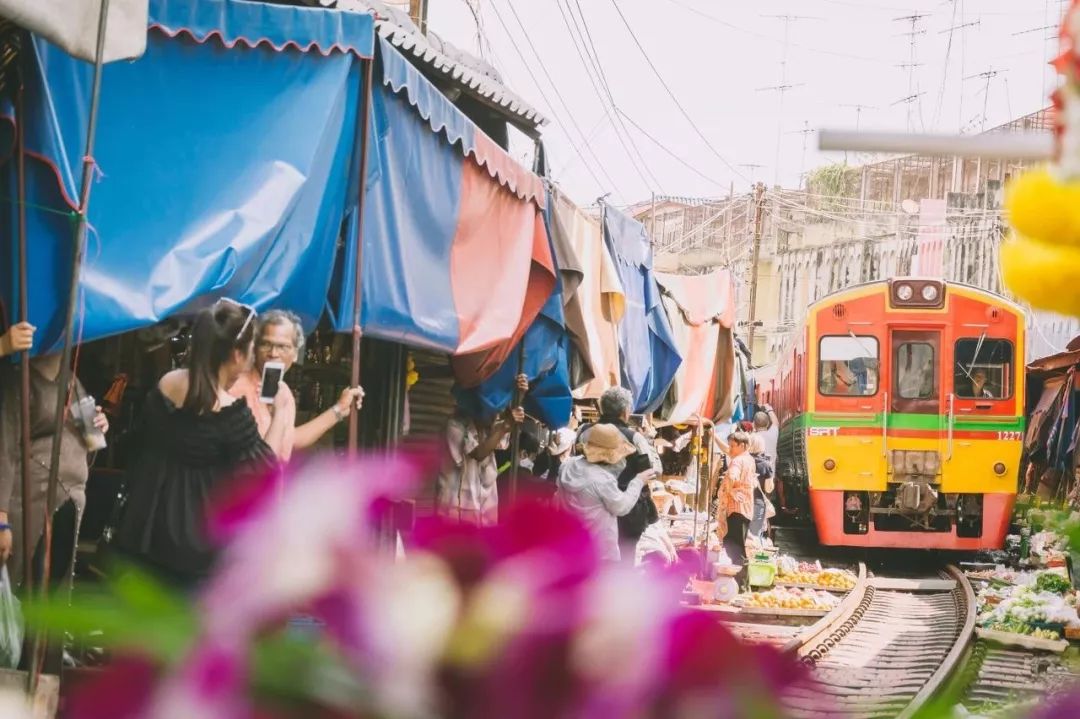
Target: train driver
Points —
{"points": [[981, 387]]}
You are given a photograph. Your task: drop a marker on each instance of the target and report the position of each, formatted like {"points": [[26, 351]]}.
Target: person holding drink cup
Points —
{"points": [[82, 432]]}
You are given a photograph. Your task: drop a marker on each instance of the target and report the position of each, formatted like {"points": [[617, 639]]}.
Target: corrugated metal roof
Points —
{"points": [[461, 68]]}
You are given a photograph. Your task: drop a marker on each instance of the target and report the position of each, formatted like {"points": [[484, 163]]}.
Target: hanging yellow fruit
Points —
{"points": [[1046, 275], [1040, 262], [1044, 208]]}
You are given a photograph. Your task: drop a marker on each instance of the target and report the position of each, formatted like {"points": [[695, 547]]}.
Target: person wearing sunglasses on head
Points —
{"points": [[74, 464], [280, 338], [195, 436]]}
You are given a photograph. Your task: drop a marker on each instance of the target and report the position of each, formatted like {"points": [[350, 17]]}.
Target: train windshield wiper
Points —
{"points": [[975, 359]]}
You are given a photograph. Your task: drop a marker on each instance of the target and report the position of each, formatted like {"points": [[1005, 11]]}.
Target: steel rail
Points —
{"points": [[852, 633]]}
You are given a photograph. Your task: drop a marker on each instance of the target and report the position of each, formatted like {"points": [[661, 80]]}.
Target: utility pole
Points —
{"points": [[858, 119], [759, 201], [652, 219], [782, 87], [911, 64], [988, 76], [805, 132]]}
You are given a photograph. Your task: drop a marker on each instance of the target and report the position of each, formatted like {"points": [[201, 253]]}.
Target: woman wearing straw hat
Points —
{"points": [[588, 485]]}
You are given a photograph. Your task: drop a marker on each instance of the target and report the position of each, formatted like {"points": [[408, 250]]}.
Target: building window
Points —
{"points": [[848, 365], [984, 368]]}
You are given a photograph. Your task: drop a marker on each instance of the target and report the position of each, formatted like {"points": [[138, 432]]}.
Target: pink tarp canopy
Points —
{"points": [[702, 312]]}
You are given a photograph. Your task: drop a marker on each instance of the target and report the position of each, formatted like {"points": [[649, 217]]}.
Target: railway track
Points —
{"points": [[887, 649], [999, 677]]}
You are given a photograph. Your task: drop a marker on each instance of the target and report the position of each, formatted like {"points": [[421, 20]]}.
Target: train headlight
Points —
{"points": [[930, 293], [999, 469], [904, 293], [829, 464]]}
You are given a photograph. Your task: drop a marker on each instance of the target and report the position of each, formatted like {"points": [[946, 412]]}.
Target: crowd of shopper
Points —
{"points": [[211, 421]]}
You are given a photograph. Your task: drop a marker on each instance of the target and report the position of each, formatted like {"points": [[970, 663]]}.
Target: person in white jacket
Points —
{"points": [[587, 485]]}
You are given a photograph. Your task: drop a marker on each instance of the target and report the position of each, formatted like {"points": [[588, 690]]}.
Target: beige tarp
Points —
{"points": [[600, 295]]}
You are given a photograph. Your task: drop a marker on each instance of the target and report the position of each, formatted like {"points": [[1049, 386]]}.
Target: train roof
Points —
{"points": [[833, 296]]}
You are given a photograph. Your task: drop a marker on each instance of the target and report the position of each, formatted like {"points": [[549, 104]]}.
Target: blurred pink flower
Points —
{"points": [[519, 620]]}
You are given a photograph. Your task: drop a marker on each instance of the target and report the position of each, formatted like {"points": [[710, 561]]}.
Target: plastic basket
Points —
{"points": [[761, 574]]}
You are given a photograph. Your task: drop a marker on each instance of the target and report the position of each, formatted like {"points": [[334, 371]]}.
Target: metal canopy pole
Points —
{"points": [[24, 316], [358, 268], [65, 378]]}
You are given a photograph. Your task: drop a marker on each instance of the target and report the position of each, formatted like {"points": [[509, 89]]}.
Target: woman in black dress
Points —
{"points": [[195, 436]]}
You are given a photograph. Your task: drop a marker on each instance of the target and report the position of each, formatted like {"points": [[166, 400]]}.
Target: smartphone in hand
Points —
{"points": [[271, 381]]}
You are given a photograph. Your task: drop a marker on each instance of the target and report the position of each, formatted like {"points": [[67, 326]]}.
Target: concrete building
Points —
{"points": [[929, 216]]}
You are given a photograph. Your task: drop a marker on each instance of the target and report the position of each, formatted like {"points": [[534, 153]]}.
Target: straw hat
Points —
{"points": [[562, 441], [605, 444]]}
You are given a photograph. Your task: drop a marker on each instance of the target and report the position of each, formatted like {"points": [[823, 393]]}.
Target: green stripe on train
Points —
{"points": [[900, 420]]}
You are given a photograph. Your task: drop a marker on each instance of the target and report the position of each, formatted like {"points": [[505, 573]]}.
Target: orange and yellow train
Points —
{"points": [[901, 405]]}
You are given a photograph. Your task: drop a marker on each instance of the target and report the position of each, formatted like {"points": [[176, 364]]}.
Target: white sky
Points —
{"points": [[715, 54]]}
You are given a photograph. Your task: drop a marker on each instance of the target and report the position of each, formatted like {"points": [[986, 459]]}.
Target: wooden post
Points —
{"points": [[358, 267], [515, 429], [652, 220], [759, 201]]}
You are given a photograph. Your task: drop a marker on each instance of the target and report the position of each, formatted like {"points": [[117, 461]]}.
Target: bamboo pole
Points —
{"points": [[26, 549]]}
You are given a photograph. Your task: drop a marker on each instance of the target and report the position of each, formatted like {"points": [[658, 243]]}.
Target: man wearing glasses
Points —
{"points": [[280, 337]]}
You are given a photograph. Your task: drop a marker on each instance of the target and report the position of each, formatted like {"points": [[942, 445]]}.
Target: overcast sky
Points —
{"points": [[715, 55]]}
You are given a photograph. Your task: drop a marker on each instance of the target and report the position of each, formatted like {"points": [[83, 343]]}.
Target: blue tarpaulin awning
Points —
{"points": [[647, 349], [456, 256], [223, 166]]}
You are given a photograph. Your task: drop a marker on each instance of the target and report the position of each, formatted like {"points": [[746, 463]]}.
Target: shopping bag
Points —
{"points": [[11, 624]]}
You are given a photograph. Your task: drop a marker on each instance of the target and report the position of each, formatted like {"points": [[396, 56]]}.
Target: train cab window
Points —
{"points": [[848, 365], [984, 368], [915, 370]]}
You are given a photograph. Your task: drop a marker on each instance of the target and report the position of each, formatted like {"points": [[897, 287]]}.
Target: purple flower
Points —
{"points": [[1066, 706], [122, 690], [518, 620]]}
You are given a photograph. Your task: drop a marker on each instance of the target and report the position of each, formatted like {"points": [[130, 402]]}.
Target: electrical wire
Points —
{"points": [[671, 153], [672, 95], [770, 38], [551, 106], [594, 57], [600, 95], [555, 87]]}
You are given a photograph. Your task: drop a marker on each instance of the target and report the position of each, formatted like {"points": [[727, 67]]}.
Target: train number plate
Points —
{"points": [[822, 431], [1010, 436]]}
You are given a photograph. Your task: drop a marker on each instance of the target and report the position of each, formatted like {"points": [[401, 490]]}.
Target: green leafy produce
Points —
{"points": [[1050, 582]]}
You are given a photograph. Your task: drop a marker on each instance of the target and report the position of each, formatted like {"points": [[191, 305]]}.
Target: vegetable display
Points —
{"points": [[1053, 583]]}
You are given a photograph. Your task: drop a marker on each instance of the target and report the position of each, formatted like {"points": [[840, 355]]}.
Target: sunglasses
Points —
{"points": [[241, 305]]}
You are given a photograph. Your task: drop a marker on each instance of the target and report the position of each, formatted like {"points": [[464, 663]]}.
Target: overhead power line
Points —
{"points": [[592, 53], [551, 106], [672, 95], [609, 106], [671, 153]]}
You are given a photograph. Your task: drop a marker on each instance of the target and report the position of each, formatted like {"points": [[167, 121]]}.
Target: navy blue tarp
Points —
{"points": [[223, 166], [646, 346]]}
